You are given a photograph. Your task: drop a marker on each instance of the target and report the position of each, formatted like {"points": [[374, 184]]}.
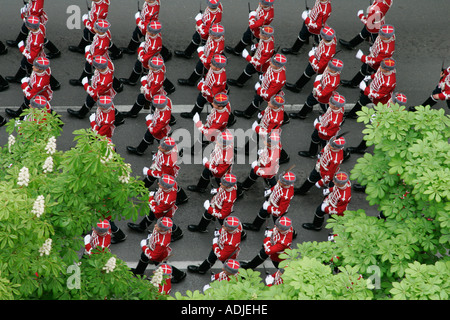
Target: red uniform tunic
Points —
{"points": [[381, 87], [152, 46], [103, 122], [221, 276], [280, 200], [338, 199], [34, 45], [102, 241], [261, 58], [38, 84], [375, 17], [212, 47], [216, 122], [165, 163], [277, 243], [324, 88], [99, 46], [328, 164], [330, 123], [222, 202], [149, 12], [209, 17], [322, 55], [221, 161], [379, 51], [267, 164], [215, 82], [272, 83], [99, 10], [318, 16], [162, 203], [227, 244], [271, 119], [101, 83], [158, 246], [153, 83], [444, 85], [158, 125], [34, 8], [263, 17]]}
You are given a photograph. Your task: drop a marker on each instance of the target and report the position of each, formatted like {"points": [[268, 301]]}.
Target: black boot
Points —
{"points": [[354, 83], [201, 226], [237, 50], [117, 85], [165, 53], [177, 275], [3, 84], [168, 86], [201, 269], [256, 261], [255, 225], [239, 82], [187, 53], [54, 51], [54, 84], [80, 47], [119, 118], [247, 113], [231, 120], [304, 188], [118, 236], [177, 233], [133, 113], [80, 114], [316, 225], [77, 82], [302, 113], [132, 79], [2, 121], [284, 157], [429, 102], [17, 77], [181, 196], [16, 113], [115, 53], [352, 113], [189, 115], [312, 152], [360, 149], [20, 37], [141, 226], [131, 48], [191, 81], [201, 185], [350, 45], [247, 184], [298, 44], [140, 268], [299, 84], [140, 149]]}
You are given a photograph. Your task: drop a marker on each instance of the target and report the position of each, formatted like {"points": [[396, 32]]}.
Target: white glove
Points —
{"points": [[198, 16], [206, 204], [268, 233], [25, 79], [326, 192], [319, 77], [261, 77], [257, 86], [87, 239], [362, 85], [359, 54], [149, 117], [201, 48], [142, 90], [137, 15], [317, 185], [360, 12], [213, 191], [87, 48], [196, 118], [267, 193], [142, 44], [85, 17], [92, 117], [144, 171], [84, 81], [254, 163], [216, 233], [252, 14], [265, 205], [269, 279], [253, 47], [245, 53], [311, 52], [367, 78], [205, 160], [260, 115], [305, 14], [151, 193], [23, 9], [316, 122], [143, 242], [254, 125], [215, 240], [323, 206], [21, 44]]}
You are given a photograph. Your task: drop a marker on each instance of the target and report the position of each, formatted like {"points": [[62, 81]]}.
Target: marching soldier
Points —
{"points": [[149, 12], [99, 10], [336, 201], [277, 240], [262, 16], [383, 48], [153, 84], [225, 246], [214, 45], [221, 204], [102, 121], [99, 47], [162, 204], [219, 163], [165, 287], [397, 98], [379, 90], [203, 23], [278, 201], [314, 20], [373, 20], [214, 82], [34, 8], [216, 122], [327, 165], [39, 83], [271, 84], [158, 124], [318, 59], [230, 269], [260, 61], [324, 86], [327, 125], [440, 93], [32, 48], [3, 83], [275, 278], [156, 249], [267, 164], [100, 237]]}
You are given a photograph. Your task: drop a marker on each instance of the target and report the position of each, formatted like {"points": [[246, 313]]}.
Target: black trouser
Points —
{"points": [[312, 101], [366, 34], [304, 34], [248, 36]]}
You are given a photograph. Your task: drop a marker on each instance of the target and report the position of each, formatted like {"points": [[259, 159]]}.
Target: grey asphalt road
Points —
{"points": [[422, 44]]}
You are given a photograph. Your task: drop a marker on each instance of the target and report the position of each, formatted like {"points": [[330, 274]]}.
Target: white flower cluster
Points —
{"points": [[108, 155], [126, 177], [48, 165], [24, 177], [11, 142], [39, 206], [46, 247], [110, 265], [157, 277], [51, 145]]}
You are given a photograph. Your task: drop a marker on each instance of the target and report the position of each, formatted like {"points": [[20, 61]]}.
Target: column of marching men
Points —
{"points": [[376, 81]]}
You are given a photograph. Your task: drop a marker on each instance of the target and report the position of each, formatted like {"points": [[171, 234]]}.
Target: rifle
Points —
{"points": [[306, 5], [249, 10], [139, 7], [200, 8], [87, 5], [442, 70]]}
